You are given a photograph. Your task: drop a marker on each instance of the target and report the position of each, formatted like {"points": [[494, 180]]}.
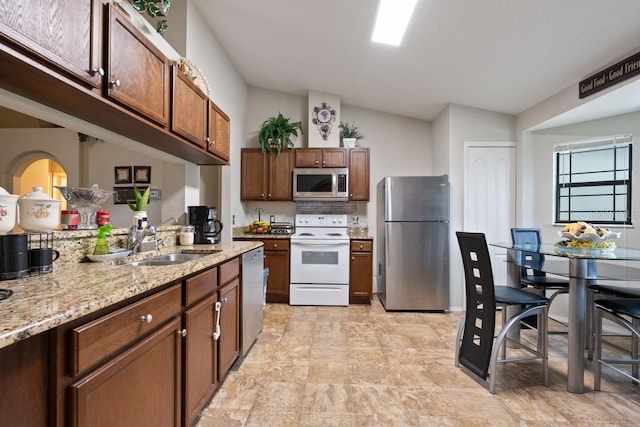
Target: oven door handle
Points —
{"points": [[320, 242]]}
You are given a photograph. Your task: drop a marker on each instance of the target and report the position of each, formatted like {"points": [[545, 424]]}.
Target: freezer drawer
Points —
{"points": [[416, 269]]}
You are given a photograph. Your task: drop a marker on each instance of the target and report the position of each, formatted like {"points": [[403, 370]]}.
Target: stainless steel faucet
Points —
{"points": [[137, 237]]}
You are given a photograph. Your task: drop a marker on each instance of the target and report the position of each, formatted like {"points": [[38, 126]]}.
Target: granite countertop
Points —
{"points": [[40, 303]]}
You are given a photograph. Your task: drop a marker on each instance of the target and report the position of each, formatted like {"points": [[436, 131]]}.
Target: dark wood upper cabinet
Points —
{"points": [[359, 174], [266, 176], [66, 34], [188, 109], [137, 71], [321, 158], [218, 136]]}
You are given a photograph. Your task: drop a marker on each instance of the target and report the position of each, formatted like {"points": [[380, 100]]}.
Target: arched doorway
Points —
{"points": [[40, 170]]}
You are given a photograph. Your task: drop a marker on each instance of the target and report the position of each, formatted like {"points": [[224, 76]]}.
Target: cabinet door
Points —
{"points": [[280, 176], [143, 383], [188, 109], [334, 158], [229, 341], [65, 33], [253, 171], [276, 259], [308, 157], [359, 174], [361, 272], [25, 382], [219, 137], [138, 73], [200, 357]]}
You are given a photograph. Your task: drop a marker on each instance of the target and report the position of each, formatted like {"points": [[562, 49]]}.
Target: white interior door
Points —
{"points": [[490, 197]]}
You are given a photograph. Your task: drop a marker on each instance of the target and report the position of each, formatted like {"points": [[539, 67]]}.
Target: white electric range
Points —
{"points": [[320, 260]]}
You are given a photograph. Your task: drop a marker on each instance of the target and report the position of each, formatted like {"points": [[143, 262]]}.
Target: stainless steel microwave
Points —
{"points": [[321, 184]]}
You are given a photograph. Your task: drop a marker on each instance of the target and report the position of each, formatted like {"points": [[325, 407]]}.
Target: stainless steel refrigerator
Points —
{"points": [[413, 243]]}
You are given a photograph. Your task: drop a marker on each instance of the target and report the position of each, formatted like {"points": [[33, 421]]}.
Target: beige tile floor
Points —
{"points": [[362, 366]]}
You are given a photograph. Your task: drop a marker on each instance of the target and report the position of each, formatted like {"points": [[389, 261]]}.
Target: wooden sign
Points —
{"points": [[623, 70]]}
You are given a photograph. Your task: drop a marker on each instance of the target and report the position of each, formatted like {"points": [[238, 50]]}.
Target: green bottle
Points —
{"points": [[102, 247]]}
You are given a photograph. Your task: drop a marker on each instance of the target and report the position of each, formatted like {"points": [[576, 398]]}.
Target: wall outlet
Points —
{"points": [[272, 218]]}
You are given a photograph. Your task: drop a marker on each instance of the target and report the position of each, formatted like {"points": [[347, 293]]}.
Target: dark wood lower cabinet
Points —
{"points": [[229, 341], [141, 386], [361, 272], [24, 382], [200, 357]]}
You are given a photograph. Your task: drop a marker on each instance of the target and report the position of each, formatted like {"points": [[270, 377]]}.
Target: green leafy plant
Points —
{"points": [[154, 9], [141, 199], [275, 133], [350, 130]]}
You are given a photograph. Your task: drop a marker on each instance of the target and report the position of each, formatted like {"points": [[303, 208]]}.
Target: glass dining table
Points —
{"points": [[582, 267]]}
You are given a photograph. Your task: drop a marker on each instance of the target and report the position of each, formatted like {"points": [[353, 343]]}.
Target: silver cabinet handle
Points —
{"points": [[269, 195], [216, 332], [98, 70], [146, 319], [182, 333], [116, 83], [317, 162], [353, 258], [361, 246], [275, 245]]}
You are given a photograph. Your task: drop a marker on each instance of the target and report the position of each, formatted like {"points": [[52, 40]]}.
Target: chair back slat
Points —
{"points": [[531, 262], [477, 338]]}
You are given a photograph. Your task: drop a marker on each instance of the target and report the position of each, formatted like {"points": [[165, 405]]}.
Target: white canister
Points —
{"points": [[8, 203], [186, 235], [37, 211]]}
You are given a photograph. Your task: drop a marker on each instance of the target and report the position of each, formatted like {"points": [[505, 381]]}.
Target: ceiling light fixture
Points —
{"points": [[392, 20]]}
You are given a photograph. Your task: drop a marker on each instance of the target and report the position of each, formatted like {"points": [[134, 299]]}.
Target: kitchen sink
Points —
{"points": [[170, 259]]}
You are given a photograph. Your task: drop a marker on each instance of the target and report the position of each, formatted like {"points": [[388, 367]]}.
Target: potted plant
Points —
{"points": [[154, 9], [275, 133], [349, 134], [139, 207]]}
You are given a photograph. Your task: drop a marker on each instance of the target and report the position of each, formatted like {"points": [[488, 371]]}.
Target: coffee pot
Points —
{"points": [[207, 228]]}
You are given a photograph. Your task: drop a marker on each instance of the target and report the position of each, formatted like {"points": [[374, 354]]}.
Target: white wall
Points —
{"points": [[17, 144], [465, 124], [541, 185], [229, 92]]}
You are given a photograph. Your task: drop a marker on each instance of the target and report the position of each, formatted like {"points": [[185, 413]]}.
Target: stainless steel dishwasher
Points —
{"points": [[252, 297]]}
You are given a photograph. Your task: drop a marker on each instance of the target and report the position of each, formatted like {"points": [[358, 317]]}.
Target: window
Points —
{"points": [[593, 181]]}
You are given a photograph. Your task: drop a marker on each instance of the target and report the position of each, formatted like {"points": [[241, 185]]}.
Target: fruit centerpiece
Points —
{"points": [[259, 227], [583, 236]]}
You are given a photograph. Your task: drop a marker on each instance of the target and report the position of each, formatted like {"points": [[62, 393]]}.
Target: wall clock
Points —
{"points": [[323, 118]]}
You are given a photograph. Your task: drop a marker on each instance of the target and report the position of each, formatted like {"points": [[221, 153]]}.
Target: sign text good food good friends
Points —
{"points": [[623, 70]]}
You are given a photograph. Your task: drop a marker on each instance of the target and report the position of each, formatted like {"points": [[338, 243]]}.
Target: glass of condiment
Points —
{"points": [[69, 219], [186, 235], [103, 218]]}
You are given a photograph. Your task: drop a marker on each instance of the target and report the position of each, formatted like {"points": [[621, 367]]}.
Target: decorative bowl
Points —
{"points": [[584, 236]]}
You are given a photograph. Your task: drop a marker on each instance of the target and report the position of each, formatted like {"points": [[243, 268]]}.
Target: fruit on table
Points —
{"points": [[259, 227], [581, 227]]}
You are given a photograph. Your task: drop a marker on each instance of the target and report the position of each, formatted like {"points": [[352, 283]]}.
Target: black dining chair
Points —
{"points": [[625, 312], [531, 274], [604, 291], [477, 347]]}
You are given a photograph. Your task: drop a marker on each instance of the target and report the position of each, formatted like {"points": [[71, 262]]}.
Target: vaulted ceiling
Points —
{"points": [[499, 55]]}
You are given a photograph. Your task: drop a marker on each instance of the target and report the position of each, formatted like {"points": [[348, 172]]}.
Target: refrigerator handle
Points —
{"points": [[379, 270]]}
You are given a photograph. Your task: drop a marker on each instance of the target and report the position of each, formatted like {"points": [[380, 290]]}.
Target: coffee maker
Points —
{"points": [[207, 227]]}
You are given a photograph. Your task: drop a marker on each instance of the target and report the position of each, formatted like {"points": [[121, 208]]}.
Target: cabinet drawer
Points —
{"points": [[96, 340], [201, 285], [229, 270], [361, 245], [276, 245]]}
